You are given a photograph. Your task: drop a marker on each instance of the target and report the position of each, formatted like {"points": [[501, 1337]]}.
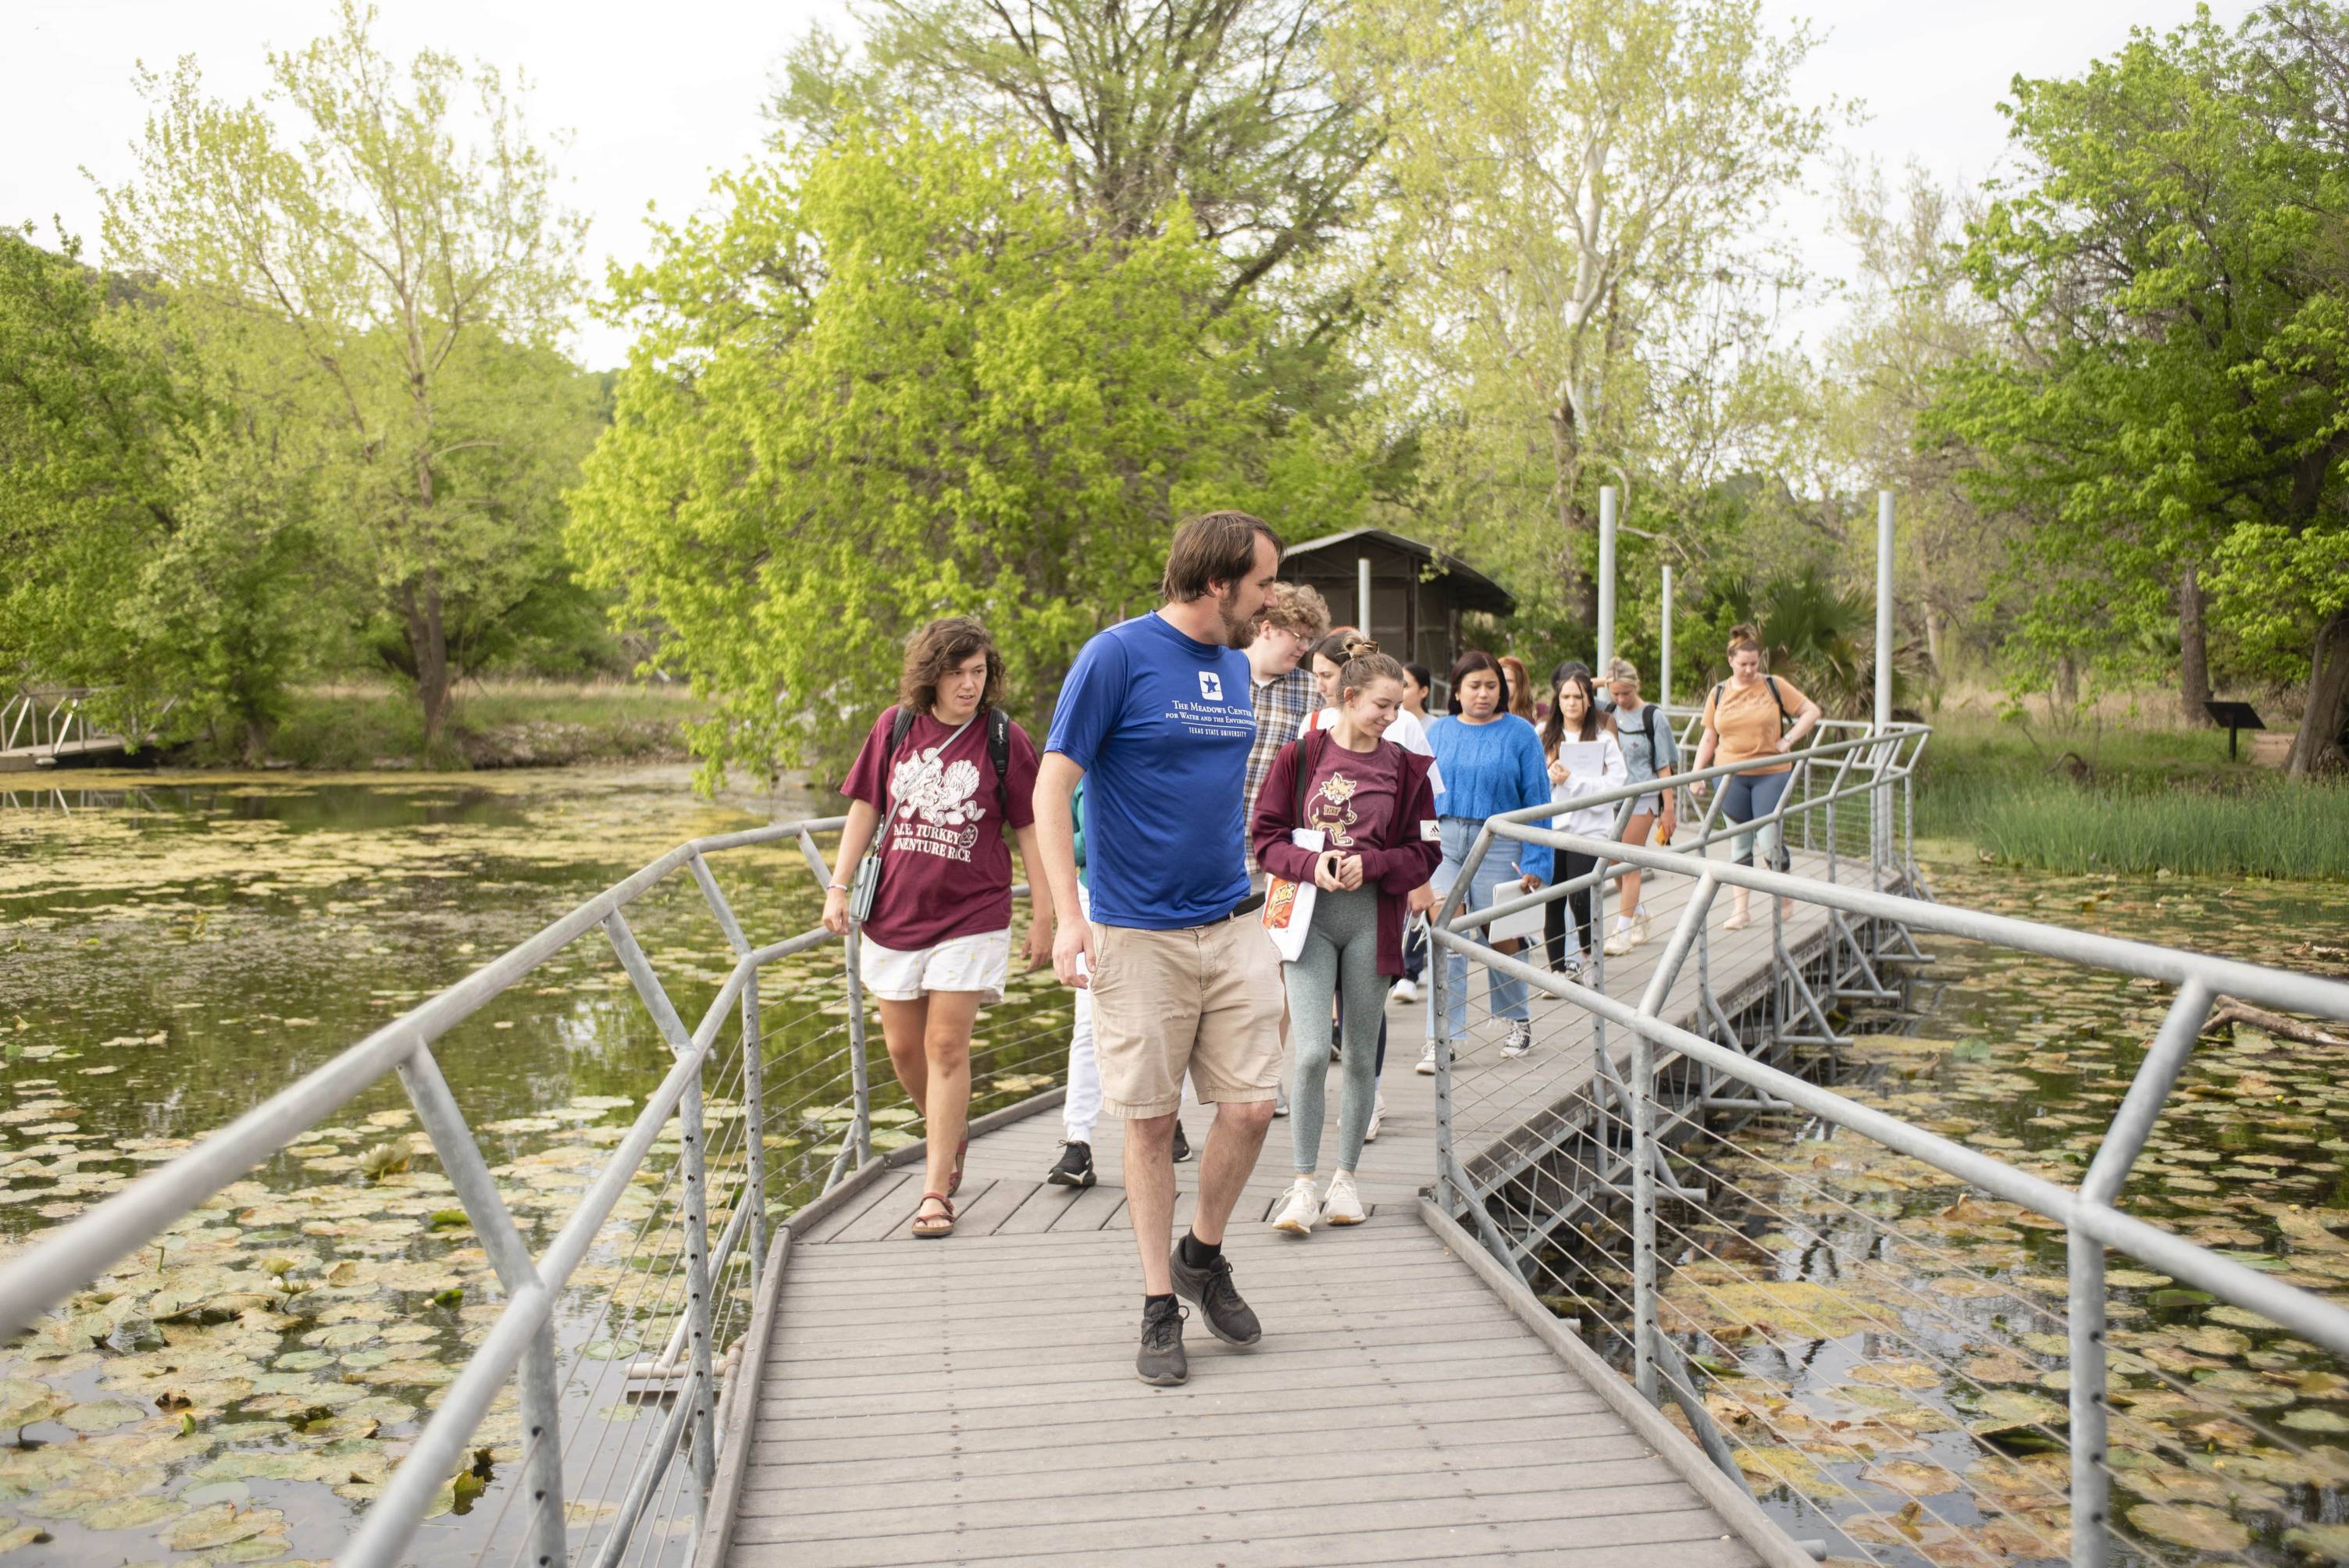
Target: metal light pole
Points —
{"points": [[1883, 610], [1606, 580], [1664, 676], [1363, 596]]}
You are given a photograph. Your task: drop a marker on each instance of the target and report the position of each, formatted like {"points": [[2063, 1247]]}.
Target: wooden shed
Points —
{"points": [[1416, 593]]}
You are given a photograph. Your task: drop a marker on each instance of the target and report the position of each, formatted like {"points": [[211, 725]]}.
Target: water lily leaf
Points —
{"points": [[610, 1349], [14, 1536], [2314, 1419], [221, 1524], [2325, 1542], [1910, 1477], [103, 1415], [24, 1402], [2189, 1524], [133, 1512]]}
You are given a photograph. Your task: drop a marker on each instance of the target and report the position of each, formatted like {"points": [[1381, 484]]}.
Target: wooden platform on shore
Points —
{"points": [[974, 1399]]}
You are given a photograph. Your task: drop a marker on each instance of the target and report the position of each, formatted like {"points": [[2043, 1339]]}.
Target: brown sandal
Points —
{"points": [[931, 1226], [953, 1183]]}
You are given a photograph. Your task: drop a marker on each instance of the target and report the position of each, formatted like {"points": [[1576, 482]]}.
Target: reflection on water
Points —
{"points": [[172, 950], [1890, 1348]]}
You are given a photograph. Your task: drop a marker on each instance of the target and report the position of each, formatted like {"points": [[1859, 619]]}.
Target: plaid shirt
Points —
{"points": [[1281, 706]]}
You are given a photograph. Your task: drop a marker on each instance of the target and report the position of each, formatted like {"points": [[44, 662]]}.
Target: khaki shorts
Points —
{"points": [[1207, 999]]}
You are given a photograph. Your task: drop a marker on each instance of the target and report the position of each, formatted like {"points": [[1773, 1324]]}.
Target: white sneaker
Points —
{"points": [[1298, 1209], [1426, 1068], [1344, 1205], [1641, 928], [1378, 1119], [1520, 1040], [1622, 939], [1404, 991]]}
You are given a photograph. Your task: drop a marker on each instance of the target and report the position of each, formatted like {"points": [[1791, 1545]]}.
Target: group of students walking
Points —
{"points": [[1227, 748]]}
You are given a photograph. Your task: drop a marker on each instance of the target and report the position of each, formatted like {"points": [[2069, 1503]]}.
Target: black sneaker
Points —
{"points": [[1161, 1362], [1076, 1166], [1228, 1317], [1182, 1145]]}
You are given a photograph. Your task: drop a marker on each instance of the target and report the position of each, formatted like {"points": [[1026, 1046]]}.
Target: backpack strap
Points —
{"points": [[1784, 717], [998, 751]]}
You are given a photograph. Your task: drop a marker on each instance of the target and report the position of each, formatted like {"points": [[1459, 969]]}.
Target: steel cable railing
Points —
{"points": [[1608, 1140]]}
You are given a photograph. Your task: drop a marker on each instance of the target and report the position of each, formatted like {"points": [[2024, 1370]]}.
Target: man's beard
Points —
{"points": [[1239, 632]]}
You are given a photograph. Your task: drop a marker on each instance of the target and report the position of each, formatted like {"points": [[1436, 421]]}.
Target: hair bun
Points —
{"points": [[1357, 646]]}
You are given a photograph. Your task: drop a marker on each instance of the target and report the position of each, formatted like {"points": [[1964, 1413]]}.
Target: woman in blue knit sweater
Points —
{"points": [[1490, 761]]}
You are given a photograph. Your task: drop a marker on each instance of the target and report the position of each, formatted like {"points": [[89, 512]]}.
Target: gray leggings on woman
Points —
{"points": [[1341, 949]]}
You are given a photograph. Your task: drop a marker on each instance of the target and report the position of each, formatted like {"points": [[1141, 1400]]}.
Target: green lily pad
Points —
{"points": [[2194, 1525], [103, 1415], [222, 1525], [2316, 1418]]}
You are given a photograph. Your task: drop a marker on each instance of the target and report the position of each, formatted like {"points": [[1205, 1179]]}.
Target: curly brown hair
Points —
{"points": [[934, 652]]}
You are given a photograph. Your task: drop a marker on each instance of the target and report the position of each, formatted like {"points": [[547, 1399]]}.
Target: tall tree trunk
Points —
{"points": [[1581, 588], [427, 646], [2193, 651], [2067, 687], [2318, 746], [1936, 636]]}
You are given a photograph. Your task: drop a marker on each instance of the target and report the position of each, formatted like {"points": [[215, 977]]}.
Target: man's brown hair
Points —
{"points": [[1297, 609], [1210, 548], [933, 653]]}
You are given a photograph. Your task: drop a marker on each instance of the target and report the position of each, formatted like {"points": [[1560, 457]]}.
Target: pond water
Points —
{"points": [[174, 949], [1889, 1348]]}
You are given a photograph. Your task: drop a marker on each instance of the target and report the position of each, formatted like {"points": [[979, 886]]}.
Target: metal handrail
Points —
{"points": [[2091, 1221], [520, 1339]]}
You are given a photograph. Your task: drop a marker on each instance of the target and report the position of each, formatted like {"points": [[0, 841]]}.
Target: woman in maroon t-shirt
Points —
{"points": [[937, 946], [1371, 810]]}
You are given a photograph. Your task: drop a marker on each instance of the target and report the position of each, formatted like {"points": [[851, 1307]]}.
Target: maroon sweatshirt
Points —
{"points": [[1398, 855]]}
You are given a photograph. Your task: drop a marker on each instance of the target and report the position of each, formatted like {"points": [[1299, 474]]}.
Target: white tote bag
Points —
{"points": [[1288, 906]]}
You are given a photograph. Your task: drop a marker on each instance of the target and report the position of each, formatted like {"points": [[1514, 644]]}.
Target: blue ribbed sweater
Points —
{"points": [[1493, 768]]}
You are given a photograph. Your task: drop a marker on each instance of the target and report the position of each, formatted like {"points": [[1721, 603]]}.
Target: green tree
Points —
{"points": [[159, 526], [2171, 265], [1226, 106], [1581, 302], [899, 377], [395, 238]]}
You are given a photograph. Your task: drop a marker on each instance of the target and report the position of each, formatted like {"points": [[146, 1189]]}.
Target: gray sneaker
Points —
{"points": [[1520, 1040], [1161, 1362], [1229, 1318]]}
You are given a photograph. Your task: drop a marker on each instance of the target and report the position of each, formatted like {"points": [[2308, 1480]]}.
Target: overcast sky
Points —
{"points": [[659, 97]]}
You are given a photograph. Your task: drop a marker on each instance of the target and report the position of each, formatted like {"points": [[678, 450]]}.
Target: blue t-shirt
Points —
{"points": [[1161, 726]]}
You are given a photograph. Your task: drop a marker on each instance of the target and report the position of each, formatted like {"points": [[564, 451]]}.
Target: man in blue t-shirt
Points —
{"points": [[1156, 717]]}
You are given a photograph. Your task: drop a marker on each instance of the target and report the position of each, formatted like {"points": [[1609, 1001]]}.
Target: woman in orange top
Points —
{"points": [[1748, 716]]}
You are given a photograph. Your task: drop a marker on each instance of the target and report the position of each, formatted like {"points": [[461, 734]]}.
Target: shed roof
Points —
{"points": [[1471, 588]]}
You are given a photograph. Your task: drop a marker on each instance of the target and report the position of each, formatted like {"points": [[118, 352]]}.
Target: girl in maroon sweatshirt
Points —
{"points": [[1371, 802]]}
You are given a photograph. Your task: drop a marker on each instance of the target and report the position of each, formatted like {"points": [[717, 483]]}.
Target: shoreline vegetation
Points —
{"points": [[2125, 797]]}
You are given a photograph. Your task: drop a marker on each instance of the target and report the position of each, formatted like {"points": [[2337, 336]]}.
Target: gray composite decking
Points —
{"points": [[973, 1399]]}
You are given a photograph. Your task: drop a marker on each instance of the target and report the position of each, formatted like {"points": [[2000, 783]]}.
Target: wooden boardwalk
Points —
{"points": [[974, 1399]]}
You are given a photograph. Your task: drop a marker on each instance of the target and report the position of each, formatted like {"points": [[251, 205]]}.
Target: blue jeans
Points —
{"points": [[1752, 795], [1496, 877]]}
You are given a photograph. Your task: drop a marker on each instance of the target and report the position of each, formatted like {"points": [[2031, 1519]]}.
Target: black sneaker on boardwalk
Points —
{"points": [[1161, 1362], [1182, 1145], [1076, 1166], [1228, 1317]]}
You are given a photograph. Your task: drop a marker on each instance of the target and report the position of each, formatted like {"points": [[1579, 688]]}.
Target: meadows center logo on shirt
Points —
{"points": [[1211, 686]]}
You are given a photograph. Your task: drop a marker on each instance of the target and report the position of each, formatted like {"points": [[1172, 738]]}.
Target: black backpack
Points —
{"points": [[999, 748]]}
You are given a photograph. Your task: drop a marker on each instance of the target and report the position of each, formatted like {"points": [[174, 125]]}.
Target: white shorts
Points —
{"points": [[979, 963]]}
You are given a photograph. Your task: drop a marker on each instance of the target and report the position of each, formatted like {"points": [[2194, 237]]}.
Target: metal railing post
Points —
{"points": [[860, 1080], [509, 1255], [754, 1179], [703, 1393], [2107, 1171]]}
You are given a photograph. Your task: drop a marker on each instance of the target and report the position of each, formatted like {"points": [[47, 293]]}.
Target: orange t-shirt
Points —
{"points": [[1749, 720]]}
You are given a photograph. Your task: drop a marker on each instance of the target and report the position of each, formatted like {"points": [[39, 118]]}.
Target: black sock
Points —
{"points": [[1150, 1301], [1196, 1253]]}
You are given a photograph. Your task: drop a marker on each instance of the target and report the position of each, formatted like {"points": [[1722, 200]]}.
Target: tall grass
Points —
{"points": [[2269, 828]]}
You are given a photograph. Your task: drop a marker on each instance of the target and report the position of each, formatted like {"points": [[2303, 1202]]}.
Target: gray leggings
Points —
{"points": [[1341, 948]]}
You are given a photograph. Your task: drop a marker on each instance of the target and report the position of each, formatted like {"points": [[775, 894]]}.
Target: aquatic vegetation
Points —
{"points": [[1888, 1346], [240, 1389]]}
